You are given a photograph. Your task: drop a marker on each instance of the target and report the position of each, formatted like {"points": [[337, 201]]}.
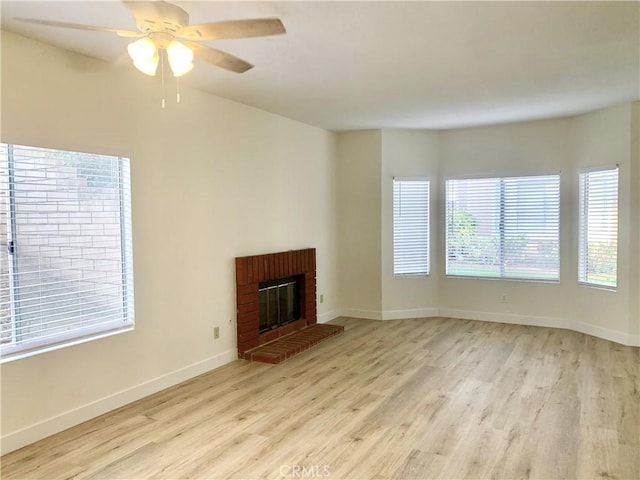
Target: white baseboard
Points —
{"points": [[328, 316], [18, 439], [553, 322], [357, 313], [389, 314], [534, 321], [606, 333], [411, 313], [633, 340]]}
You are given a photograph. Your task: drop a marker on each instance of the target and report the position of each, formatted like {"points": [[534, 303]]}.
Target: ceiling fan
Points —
{"points": [[165, 27]]}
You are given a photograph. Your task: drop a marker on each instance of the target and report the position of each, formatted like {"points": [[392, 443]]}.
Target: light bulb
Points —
{"points": [[180, 58], [144, 54]]}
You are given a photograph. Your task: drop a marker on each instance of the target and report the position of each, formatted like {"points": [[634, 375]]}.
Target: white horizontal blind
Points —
{"points": [[504, 227], [598, 224], [410, 226], [65, 238]]}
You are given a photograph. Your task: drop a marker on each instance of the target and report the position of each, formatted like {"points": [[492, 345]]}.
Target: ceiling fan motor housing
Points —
{"points": [[170, 18]]}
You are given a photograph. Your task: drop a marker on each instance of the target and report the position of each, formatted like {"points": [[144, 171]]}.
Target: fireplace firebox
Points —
{"points": [[278, 302]]}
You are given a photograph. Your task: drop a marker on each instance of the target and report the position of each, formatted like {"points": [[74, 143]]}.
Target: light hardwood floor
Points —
{"points": [[406, 399]]}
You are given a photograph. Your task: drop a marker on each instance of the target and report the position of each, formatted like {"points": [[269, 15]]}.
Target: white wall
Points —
{"points": [[408, 153], [524, 148], [599, 139], [359, 223], [634, 223], [595, 139], [211, 180], [564, 145], [367, 162]]}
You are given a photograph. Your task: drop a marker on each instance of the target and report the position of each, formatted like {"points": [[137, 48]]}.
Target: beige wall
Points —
{"points": [[367, 162], [359, 223], [634, 224], [524, 148], [599, 139], [211, 180], [563, 146], [408, 153]]}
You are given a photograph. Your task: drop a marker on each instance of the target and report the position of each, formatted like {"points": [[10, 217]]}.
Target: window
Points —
{"points": [[65, 248], [410, 226], [598, 228], [504, 227]]}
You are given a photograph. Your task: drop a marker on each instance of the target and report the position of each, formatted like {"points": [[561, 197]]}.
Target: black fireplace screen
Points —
{"points": [[279, 302]]}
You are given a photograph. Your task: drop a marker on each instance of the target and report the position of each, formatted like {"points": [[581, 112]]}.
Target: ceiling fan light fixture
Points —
{"points": [[180, 58], [144, 54], [142, 49], [147, 66]]}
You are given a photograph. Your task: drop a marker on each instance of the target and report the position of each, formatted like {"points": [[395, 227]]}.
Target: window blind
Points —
{"points": [[410, 226], [66, 254], [598, 228], [507, 227]]}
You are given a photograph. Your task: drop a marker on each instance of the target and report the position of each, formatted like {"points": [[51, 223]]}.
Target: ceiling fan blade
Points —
{"points": [[218, 58], [78, 26], [259, 27]]}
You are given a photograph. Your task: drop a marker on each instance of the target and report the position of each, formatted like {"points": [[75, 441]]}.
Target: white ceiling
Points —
{"points": [[358, 65]]}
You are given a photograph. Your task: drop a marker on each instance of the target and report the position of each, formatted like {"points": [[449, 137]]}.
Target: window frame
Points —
{"points": [[582, 207], [501, 205], [427, 181], [49, 339]]}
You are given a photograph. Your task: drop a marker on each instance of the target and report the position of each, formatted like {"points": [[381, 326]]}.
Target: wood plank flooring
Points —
{"points": [[404, 399]]}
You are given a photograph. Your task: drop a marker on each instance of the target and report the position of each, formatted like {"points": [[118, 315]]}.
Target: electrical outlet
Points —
{"points": [[321, 298], [216, 333]]}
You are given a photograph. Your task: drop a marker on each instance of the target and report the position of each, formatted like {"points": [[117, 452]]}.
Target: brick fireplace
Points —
{"points": [[255, 273]]}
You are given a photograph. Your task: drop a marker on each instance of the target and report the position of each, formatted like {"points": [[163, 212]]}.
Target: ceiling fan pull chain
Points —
{"points": [[177, 89], [162, 75]]}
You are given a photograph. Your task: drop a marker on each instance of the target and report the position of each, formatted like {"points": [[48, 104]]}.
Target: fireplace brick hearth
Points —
{"points": [[256, 269]]}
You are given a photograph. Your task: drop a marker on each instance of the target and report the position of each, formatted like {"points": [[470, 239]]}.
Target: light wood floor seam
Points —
{"points": [[409, 399]]}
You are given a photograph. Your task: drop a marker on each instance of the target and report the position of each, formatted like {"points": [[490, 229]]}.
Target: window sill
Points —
{"points": [[506, 279], [37, 350], [596, 286]]}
